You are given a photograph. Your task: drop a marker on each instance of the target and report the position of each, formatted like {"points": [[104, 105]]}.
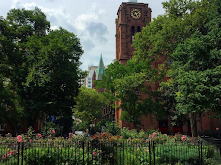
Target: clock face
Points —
{"points": [[135, 13]]}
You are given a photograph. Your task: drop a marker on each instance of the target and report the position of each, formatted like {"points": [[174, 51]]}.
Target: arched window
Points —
{"points": [[132, 34], [138, 29]]}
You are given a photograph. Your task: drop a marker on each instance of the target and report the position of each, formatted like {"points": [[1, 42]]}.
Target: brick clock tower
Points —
{"points": [[132, 16]]}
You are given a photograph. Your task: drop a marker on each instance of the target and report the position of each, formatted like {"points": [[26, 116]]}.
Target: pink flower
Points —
{"points": [[165, 134], [30, 140], [9, 153], [217, 129], [39, 135], [94, 153], [52, 131], [146, 140], [153, 137], [154, 134], [183, 138], [149, 135], [68, 139], [19, 137], [70, 134], [4, 156]]}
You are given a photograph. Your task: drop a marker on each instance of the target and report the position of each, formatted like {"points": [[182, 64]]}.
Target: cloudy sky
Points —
{"points": [[92, 20]]}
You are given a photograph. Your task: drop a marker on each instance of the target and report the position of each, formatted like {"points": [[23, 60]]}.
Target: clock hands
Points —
{"points": [[135, 13]]}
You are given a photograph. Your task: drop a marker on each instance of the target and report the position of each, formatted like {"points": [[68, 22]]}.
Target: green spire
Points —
{"points": [[100, 69]]}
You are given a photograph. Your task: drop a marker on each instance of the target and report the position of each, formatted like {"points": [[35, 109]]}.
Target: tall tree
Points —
{"points": [[15, 30], [198, 73], [185, 37], [40, 65]]}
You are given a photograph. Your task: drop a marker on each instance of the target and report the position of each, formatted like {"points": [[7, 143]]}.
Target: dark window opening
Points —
{"points": [[163, 123], [138, 29], [132, 34]]}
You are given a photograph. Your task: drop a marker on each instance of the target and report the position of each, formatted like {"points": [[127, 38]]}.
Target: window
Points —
{"points": [[132, 34], [89, 86], [2, 127], [138, 29], [163, 123], [89, 82], [88, 78]]}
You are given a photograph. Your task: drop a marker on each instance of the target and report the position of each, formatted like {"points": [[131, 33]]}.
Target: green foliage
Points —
{"points": [[84, 125], [105, 148], [112, 128], [39, 68], [126, 83], [187, 39], [46, 130], [89, 106], [59, 155], [126, 133]]}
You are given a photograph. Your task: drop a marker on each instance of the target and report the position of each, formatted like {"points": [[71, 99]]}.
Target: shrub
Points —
{"points": [[46, 130]]}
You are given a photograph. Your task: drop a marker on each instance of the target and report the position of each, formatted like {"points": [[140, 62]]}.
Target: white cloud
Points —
{"points": [[16, 4], [29, 6]]}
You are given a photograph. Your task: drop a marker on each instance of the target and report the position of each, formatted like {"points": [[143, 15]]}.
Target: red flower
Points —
{"points": [[39, 135], [9, 153], [4, 156], [52, 131], [94, 153]]}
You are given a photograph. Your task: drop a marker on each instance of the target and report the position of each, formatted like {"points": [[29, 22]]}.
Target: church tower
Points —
{"points": [[100, 69], [132, 16]]}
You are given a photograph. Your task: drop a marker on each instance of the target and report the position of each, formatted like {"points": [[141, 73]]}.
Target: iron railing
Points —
{"points": [[103, 152]]}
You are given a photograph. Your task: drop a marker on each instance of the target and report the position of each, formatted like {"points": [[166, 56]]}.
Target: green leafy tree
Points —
{"points": [[198, 73], [126, 84], [186, 36], [39, 66], [89, 105], [15, 30], [55, 72]]}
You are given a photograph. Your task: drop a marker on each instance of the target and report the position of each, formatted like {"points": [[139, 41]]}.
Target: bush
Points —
{"points": [[61, 155], [126, 133], [48, 127]]}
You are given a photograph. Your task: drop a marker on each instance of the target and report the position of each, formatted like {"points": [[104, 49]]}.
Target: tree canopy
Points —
{"points": [[39, 67], [126, 84], [89, 105], [188, 36]]}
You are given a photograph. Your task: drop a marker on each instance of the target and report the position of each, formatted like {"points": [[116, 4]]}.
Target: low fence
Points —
{"points": [[96, 152]]}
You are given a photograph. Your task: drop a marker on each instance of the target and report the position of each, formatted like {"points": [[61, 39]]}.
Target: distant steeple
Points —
{"points": [[100, 69]]}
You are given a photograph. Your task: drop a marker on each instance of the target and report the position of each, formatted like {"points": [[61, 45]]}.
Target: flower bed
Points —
{"points": [[104, 149]]}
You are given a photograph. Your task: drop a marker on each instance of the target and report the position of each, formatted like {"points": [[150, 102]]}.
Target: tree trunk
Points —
{"points": [[193, 124]]}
